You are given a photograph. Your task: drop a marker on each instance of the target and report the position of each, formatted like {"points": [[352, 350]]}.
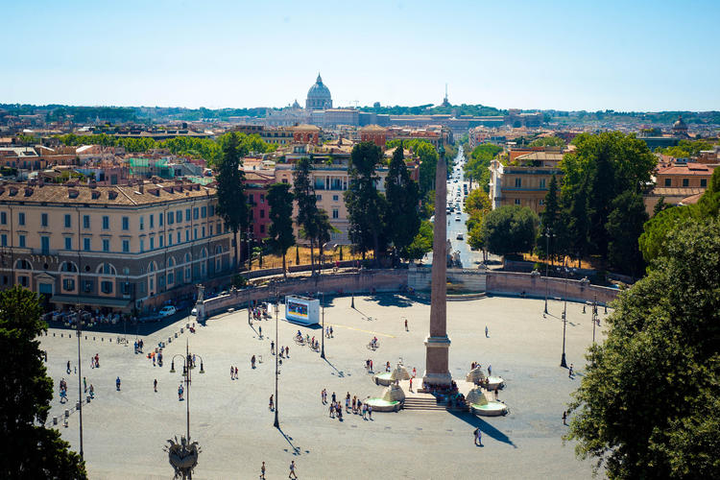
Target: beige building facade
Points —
{"points": [[526, 182], [111, 248]]}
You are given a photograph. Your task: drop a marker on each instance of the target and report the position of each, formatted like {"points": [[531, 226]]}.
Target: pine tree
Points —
{"points": [[280, 200], [232, 201], [307, 204], [403, 197]]}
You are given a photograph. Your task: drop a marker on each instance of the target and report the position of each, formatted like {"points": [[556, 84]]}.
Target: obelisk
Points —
{"points": [[437, 344]]}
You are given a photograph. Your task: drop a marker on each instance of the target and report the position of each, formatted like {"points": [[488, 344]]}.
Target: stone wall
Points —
{"points": [[511, 283]]}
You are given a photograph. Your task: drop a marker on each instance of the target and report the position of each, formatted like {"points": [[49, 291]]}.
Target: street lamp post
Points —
{"points": [[594, 316], [322, 339], [276, 424], [547, 265], [187, 369], [563, 362], [80, 391]]}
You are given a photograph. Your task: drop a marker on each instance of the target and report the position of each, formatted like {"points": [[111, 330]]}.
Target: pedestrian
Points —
{"points": [[155, 385], [371, 365], [486, 331], [478, 437], [489, 370], [406, 325], [411, 384], [282, 352], [260, 330], [323, 396], [364, 410], [262, 471], [252, 361], [272, 347], [92, 362], [68, 367], [91, 390], [354, 403], [332, 410], [287, 352], [570, 371], [236, 373], [232, 373], [564, 417], [84, 384], [414, 372], [496, 391], [331, 331], [117, 384], [180, 392], [292, 470], [369, 410], [334, 398], [272, 403]]}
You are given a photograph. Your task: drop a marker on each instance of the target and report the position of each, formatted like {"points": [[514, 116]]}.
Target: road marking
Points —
{"points": [[366, 331]]}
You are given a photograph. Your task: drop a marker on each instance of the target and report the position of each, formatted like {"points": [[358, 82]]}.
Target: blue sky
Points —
{"points": [[622, 55]]}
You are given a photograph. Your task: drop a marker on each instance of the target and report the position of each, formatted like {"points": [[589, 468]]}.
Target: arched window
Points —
{"points": [[218, 249], [171, 262], [23, 264], [68, 267], [152, 267], [106, 269], [188, 258], [203, 253]]}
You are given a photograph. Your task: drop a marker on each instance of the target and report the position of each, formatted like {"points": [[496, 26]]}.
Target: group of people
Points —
{"points": [[157, 358], [95, 361], [354, 405], [329, 331], [233, 372], [284, 351], [374, 343], [139, 346]]}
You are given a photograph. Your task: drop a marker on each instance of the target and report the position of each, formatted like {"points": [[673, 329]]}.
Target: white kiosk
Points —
{"points": [[303, 310]]}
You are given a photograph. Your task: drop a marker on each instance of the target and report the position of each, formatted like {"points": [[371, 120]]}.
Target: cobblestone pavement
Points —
{"points": [[125, 431]]}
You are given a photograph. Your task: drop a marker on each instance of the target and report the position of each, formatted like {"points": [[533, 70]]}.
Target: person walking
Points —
{"points": [[262, 471], [117, 384], [155, 385], [181, 390], [272, 403], [252, 361], [489, 370], [68, 367], [564, 417], [236, 373], [369, 410], [260, 330], [411, 384], [292, 470], [570, 371], [406, 325], [232, 373], [478, 437], [272, 347], [486, 331], [84, 384], [287, 352]]}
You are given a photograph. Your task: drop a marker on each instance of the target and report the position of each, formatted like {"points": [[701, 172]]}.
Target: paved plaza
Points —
{"points": [[124, 432]]}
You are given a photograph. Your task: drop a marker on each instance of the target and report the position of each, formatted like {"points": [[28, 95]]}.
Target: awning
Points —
{"points": [[93, 301]]}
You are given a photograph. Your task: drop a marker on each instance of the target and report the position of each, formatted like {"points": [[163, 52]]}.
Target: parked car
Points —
{"points": [[457, 218], [460, 236], [193, 312], [167, 310]]}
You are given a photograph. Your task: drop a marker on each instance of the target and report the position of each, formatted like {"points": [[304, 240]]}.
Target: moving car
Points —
{"points": [[460, 237], [457, 218], [167, 310]]}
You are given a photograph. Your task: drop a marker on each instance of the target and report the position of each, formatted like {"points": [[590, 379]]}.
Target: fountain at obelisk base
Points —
{"points": [[437, 343]]}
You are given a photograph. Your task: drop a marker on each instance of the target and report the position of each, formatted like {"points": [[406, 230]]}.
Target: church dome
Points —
{"points": [[679, 124], [318, 97]]}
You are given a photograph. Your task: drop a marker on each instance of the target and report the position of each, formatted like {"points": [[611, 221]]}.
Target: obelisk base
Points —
{"points": [[436, 362]]}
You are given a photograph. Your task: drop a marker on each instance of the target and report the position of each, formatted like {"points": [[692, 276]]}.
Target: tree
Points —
{"points": [[478, 165], [280, 200], [422, 243], [624, 227], [509, 229], [549, 219], [232, 201], [403, 199], [307, 204], [648, 404], [478, 201], [366, 207], [29, 449], [548, 142], [323, 229], [660, 206]]}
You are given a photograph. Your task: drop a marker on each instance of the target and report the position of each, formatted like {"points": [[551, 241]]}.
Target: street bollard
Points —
{"points": [[55, 420], [88, 399], [175, 334], [67, 413]]}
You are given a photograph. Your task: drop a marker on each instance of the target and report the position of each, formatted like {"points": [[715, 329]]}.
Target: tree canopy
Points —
{"points": [[403, 202], [280, 201], [686, 148], [232, 206], [29, 449], [509, 229], [548, 142], [477, 167], [648, 404]]}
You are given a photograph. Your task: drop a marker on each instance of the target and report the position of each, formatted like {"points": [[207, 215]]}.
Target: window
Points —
{"points": [[126, 246], [517, 201], [171, 278], [106, 287], [106, 245], [210, 227], [142, 244], [152, 243], [161, 240], [106, 222], [68, 243], [187, 235], [68, 221], [262, 213], [178, 216], [21, 240], [24, 280], [152, 221], [212, 211], [125, 288], [44, 219], [86, 221], [542, 183], [203, 231], [336, 198], [68, 284], [203, 212], [45, 244], [262, 228], [160, 219], [541, 202], [195, 233], [3, 240], [21, 218], [518, 182], [169, 239], [251, 198], [703, 182], [668, 182], [187, 214], [3, 218], [196, 213], [179, 239], [142, 223], [335, 213], [319, 198], [88, 286], [86, 244], [686, 182]]}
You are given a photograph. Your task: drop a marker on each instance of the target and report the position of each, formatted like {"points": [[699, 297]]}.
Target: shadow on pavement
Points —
{"points": [[289, 439], [392, 300], [485, 428], [339, 372], [129, 328]]}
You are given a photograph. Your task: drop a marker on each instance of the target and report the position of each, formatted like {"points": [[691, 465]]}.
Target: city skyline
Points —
{"points": [[641, 57]]}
